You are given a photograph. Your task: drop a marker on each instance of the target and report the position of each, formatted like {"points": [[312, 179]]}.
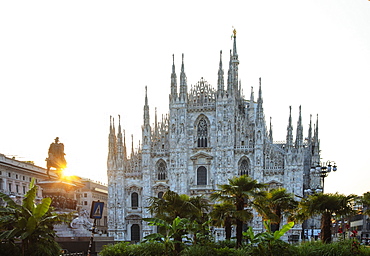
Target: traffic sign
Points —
{"points": [[96, 210]]}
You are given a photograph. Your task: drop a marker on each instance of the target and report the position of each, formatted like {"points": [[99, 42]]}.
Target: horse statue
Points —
{"points": [[82, 221], [56, 158]]}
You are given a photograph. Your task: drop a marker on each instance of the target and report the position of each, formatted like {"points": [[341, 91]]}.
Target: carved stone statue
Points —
{"points": [[82, 221], [56, 157]]}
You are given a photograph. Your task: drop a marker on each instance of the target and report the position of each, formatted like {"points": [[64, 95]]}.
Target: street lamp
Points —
{"points": [[322, 170]]}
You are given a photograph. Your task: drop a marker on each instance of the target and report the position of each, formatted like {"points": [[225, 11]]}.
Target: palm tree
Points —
{"points": [[238, 192], [223, 215], [326, 205], [366, 202], [173, 205], [274, 205], [30, 223]]}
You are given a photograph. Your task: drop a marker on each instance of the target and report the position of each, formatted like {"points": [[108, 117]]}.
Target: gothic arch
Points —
{"points": [[202, 175], [135, 232], [134, 200], [202, 129], [244, 166], [161, 168]]}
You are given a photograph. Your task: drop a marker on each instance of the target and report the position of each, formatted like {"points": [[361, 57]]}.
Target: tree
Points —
{"points": [[238, 192], [30, 223], [274, 205], [326, 205], [224, 215], [173, 205], [267, 240], [172, 231], [366, 202]]}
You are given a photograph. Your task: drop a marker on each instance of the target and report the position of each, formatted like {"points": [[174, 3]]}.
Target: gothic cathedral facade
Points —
{"points": [[209, 136]]}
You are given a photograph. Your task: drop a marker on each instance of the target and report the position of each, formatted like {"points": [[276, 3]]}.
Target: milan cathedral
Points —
{"points": [[209, 136]]}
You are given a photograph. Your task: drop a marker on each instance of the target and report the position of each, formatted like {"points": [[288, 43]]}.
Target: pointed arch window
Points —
{"points": [[135, 232], [202, 176], [202, 133], [244, 167], [134, 200], [161, 170], [160, 194]]}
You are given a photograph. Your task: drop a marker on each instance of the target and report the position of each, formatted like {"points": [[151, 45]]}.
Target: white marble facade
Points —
{"points": [[209, 136]]}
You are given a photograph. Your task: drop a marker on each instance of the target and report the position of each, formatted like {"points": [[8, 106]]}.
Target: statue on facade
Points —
{"points": [[56, 158]]}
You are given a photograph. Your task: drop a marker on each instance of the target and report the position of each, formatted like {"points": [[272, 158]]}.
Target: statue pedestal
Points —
{"points": [[62, 192]]}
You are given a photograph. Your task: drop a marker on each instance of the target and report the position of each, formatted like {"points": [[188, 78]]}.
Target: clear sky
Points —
{"points": [[66, 66]]}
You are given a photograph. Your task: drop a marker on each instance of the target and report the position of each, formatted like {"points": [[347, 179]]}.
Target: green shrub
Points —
{"points": [[142, 249], [277, 247], [225, 243], [226, 251], [118, 249], [197, 250], [341, 248], [147, 249]]}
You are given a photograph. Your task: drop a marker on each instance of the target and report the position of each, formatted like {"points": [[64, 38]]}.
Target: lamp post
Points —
{"points": [[322, 170]]}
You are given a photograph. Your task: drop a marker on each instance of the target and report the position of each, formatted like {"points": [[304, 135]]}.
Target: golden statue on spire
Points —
{"points": [[234, 32]]}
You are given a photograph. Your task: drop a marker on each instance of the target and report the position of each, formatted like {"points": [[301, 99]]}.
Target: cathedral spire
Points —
{"points": [[299, 136], [251, 100], [251, 106], [156, 133], [235, 64], [132, 146], [260, 114], [120, 147], [112, 145], [316, 135], [234, 46], [146, 109], [220, 81], [230, 78], [309, 139], [316, 144], [124, 145], [270, 133], [183, 82], [173, 95], [289, 136]]}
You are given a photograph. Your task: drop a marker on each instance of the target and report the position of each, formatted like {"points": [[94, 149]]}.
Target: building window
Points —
{"points": [[135, 232], [85, 194], [24, 189], [17, 188], [244, 167], [202, 176], [10, 187], [202, 133], [161, 170], [134, 200], [9, 174], [24, 178], [85, 202], [160, 194], [16, 176]]}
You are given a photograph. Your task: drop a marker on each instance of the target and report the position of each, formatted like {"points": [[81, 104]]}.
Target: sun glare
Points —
{"points": [[67, 172]]}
